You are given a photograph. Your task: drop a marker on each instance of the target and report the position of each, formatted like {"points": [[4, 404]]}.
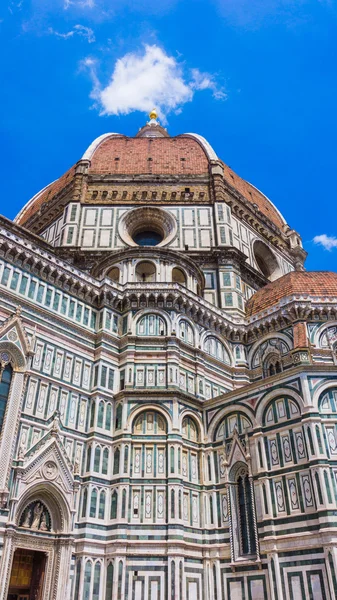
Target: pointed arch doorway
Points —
{"points": [[37, 548]]}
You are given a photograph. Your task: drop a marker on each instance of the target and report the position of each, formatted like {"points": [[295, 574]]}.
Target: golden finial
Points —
{"points": [[153, 114]]}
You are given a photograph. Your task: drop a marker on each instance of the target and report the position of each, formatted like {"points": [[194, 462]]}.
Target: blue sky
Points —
{"points": [[257, 78]]}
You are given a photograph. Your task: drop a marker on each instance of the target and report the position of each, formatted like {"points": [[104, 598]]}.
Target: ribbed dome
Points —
{"points": [[187, 154]]}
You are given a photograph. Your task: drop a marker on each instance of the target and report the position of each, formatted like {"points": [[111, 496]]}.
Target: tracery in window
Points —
{"points": [[6, 373], [215, 348], [151, 324], [113, 509], [185, 332], [272, 365], [268, 348], [243, 531]]}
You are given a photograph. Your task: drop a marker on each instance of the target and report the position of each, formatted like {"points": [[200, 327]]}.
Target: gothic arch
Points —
{"points": [[221, 415], [18, 361], [52, 498], [279, 336], [234, 470], [277, 393]]}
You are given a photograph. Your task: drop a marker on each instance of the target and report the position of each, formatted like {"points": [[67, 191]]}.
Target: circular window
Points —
{"points": [[147, 238], [147, 226], [266, 261]]}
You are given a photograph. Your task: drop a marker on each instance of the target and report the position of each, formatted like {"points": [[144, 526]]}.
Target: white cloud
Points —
{"points": [[146, 79], [81, 30], [328, 242], [79, 3]]}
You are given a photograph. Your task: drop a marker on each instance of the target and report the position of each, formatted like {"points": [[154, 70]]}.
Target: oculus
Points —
{"points": [[147, 226]]}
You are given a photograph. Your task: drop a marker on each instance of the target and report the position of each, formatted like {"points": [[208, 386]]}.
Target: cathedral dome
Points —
{"points": [[152, 152], [301, 284]]}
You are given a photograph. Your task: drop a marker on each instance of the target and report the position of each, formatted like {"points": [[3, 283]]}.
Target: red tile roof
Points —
{"points": [[253, 196], [54, 188], [161, 156], [182, 155], [312, 283]]}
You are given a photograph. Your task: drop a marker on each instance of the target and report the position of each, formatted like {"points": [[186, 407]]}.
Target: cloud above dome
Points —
{"points": [[327, 241], [150, 77]]}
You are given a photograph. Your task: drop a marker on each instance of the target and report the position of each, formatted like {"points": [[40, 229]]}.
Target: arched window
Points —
{"points": [[172, 504], [116, 461], [92, 414], [118, 420], [149, 422], [270, 352], [108, 415], [6, 378], [113, 509], [84, 503], [87, 580], [172, 459], [105, 461], [93, 503], [97, 459], [272, 365], [186, 332], [151, 324], [88, 459], [189, 429], [100, 415], [242, 511], [248, 543], [123, 504], [215, 348], [101, 508], [178, 276], [145, 271], [126, 459], [97, 581], [77, 579], [109, 582]]}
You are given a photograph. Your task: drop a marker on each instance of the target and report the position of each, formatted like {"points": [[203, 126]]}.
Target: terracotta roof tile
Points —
{"points": [[46, 195], [314, 283], [253, 196], [180, 155], [161, 156]]}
